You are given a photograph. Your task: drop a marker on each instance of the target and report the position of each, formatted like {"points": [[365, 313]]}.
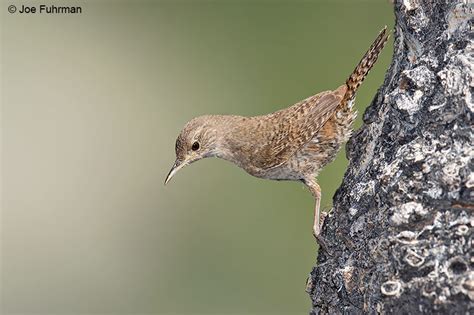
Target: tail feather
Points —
{"points": [[364, 66]]}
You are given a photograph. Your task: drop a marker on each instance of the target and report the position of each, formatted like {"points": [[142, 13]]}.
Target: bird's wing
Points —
{"points": [[289, 129]]}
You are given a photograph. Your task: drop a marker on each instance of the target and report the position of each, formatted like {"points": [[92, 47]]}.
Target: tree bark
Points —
{"points": [[401, 229]]}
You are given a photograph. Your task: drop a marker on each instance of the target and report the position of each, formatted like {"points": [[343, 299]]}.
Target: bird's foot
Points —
{"points": [[323, 244], [317, 234]]}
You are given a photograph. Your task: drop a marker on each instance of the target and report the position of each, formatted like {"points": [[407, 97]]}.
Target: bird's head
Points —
{"points": [[197, 140]]}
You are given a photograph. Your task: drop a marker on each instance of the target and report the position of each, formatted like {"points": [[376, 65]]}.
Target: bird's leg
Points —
{"points": [[316, 192], [318, 219], [317, 204]]}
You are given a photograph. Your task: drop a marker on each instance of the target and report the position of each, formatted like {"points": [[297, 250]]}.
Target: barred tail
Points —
{"points": [[364, 66]]}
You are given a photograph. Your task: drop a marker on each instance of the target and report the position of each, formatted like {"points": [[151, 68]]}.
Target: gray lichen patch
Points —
{"points": [[410, 5], [458, 18], [451, 79], [391, 288], [420, 77], [403, 213], [410, 104]]}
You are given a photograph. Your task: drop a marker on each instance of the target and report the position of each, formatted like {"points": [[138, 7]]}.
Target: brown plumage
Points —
{"points": [[294, 143]]}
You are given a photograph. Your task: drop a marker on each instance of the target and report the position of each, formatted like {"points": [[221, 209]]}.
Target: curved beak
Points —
{"points": [[176, 167]]}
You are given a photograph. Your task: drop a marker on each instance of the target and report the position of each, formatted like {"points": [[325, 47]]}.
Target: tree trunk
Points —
{"points": [[401, 229]]}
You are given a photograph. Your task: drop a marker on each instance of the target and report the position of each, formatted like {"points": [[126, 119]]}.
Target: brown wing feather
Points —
{"points": [[291, 128]]}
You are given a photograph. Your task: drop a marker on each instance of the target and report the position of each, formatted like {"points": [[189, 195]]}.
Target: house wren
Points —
{"points": [[294, 143]]}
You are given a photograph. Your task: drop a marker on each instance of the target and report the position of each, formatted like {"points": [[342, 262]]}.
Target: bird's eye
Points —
{"points": [[195, 146]]}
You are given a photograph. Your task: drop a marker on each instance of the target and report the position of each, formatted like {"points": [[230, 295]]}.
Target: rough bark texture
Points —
{"points": [[401, 229]]}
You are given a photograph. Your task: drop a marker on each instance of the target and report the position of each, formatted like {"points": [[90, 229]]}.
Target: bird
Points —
{"points": [[293, 143]]}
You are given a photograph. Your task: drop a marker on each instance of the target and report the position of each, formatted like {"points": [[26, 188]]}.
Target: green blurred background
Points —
{"points": [[91, 107]]}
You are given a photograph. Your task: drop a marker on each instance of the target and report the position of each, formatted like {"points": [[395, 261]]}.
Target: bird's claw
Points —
{"points": [[323, 244]]}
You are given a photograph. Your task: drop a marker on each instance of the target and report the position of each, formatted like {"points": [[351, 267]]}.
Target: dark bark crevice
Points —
{"points": [[401, 229]]}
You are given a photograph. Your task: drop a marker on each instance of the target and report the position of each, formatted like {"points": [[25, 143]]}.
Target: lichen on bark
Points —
{"points": [[401, 230]]}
